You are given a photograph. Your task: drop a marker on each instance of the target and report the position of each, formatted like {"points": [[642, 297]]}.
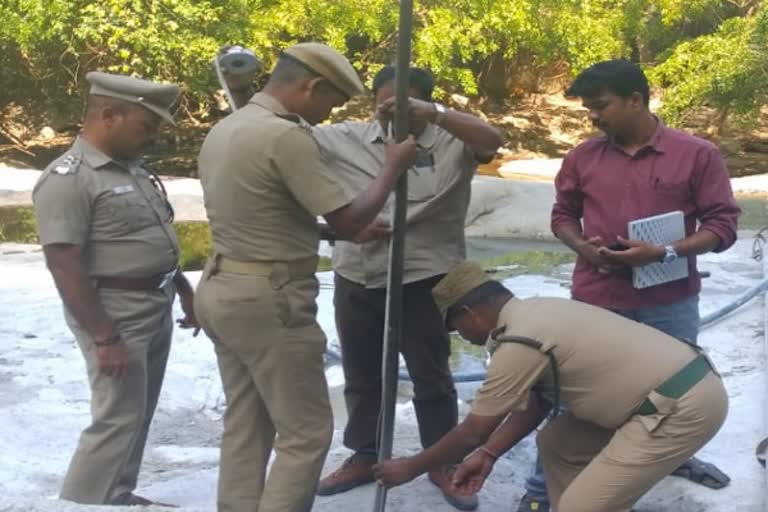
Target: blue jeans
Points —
{"points": [[680, 320]]}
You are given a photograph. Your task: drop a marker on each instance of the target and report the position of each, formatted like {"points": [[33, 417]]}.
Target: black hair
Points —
{"points": [[418, 78], [620, 77], [486, 292]]}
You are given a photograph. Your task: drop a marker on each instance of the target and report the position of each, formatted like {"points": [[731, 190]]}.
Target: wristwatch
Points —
{"points": [[439, 113], [670, 254]]}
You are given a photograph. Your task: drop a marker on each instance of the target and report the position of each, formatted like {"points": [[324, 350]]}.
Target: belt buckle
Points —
{"points": [[167, 278]]}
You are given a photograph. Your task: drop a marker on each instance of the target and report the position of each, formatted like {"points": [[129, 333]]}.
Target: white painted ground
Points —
{"points": [[44, 405], [44, 396]]}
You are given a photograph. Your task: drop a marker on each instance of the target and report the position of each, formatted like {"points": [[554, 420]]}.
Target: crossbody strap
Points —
{"points": [[538, 346]]}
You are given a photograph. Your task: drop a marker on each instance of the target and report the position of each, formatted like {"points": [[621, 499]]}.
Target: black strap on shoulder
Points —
{"points": [[536, 345], [156, 182]]}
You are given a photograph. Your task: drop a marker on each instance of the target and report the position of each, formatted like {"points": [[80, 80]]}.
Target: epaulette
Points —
{"points": [[69, 164], [66, 165]]}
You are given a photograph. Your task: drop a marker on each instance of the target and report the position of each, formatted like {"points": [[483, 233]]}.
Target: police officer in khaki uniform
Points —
{"points": [[105, 225], [265, 183], [450, 146], [639, 402]]}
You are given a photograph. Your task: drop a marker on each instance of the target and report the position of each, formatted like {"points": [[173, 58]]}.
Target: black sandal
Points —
{"points": [[704, 473], [762, 451]]}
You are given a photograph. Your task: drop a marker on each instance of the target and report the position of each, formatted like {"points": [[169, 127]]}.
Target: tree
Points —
{"points": [[727, 70], [707, 51]]}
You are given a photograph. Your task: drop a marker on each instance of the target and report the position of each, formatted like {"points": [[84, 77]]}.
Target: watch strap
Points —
{"points": [[439, 113]]}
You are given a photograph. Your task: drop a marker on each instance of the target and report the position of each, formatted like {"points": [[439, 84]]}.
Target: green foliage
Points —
{"points": [[58, 41], [727, 70], [196, 246], [754, 212], [529, 262], [465, 357], [195, 242], [325, 264], [17, 224], [51, 44]]}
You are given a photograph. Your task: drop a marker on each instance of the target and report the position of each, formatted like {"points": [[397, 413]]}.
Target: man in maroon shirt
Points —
{"points": [[637, 169]]}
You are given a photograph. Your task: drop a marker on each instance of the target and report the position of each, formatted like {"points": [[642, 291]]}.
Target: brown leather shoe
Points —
{"points": [[354, 472], [132, 500], [442, 479]]}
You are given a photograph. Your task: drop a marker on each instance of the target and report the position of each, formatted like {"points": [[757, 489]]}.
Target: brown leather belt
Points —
{"points": [[290, 269], [136, 283]]}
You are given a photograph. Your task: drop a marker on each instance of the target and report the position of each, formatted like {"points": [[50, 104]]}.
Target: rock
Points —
{"points": [[47, 133], [503, 208], [460, 100]]}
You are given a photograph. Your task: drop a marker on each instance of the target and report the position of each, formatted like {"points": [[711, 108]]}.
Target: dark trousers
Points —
{"points": [[425, 345]]}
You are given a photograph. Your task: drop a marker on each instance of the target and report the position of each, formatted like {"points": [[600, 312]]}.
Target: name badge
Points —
{"points": [[424, 162], [122, 189]]}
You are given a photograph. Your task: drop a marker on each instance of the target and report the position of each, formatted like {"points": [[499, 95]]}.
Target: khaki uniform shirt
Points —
{"points": [[264, 183], [607, 364], [438, 198], [110, 209]]}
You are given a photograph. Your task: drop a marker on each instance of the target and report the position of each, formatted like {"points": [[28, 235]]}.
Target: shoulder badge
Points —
{"points": [[68, 165]]}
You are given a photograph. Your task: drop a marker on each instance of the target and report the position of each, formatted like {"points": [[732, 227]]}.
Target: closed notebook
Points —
{"points": [[663, 229]]}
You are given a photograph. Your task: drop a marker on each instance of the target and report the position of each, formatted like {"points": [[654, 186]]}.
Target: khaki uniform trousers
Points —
{"points": [[593, 469], [270, 350], [108, 456]]}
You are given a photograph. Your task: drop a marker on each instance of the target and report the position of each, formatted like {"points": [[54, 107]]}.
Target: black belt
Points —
{"points": [[155, 282]]}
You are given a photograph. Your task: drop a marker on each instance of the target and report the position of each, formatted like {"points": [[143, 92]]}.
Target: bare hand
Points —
{"points": [[418, 110], [189, 321], [379, 229], [113, 359], [401, 155], [639, 253], [590, 251], [394, 472], [470, 475]]}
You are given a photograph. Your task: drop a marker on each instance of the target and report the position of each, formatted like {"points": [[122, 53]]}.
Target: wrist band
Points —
{"points": [[488, 453], [439, 113]]}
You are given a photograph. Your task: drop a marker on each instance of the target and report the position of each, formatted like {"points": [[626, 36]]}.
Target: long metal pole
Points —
{"points": [[223, 83], [394, 308]]}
